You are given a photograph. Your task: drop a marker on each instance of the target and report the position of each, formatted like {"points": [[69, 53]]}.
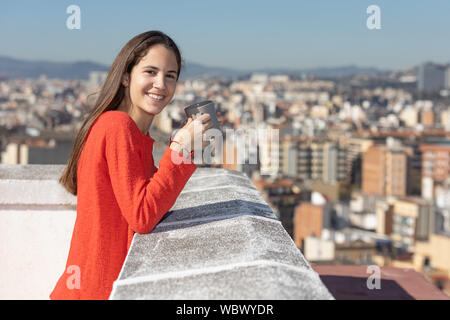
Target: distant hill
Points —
{"points": [[197, 70], [193, 70], [12, 68], [16, 68], [345, 71]]}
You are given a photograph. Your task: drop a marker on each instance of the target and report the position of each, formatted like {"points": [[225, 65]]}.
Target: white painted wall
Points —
{"points": [[36, 222], [33, 250]]}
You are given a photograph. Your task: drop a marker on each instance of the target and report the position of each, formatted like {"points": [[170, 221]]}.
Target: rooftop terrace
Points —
{"points": [[220, 240]]}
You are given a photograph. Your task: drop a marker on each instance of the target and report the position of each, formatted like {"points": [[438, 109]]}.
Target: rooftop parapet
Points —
{"points": [[220, 240]]}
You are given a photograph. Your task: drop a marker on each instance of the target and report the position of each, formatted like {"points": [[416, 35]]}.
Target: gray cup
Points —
{"points": [[199, 108], [196, 110]]}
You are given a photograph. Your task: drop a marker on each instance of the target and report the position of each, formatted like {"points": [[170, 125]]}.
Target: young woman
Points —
{"points": [[111, 170]]}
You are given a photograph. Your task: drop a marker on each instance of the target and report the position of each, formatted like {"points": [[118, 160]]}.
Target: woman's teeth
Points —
{"points": [[155, 97]]}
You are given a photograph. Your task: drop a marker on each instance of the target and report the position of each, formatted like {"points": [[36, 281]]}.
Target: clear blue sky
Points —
{"points": [[240, 34]]}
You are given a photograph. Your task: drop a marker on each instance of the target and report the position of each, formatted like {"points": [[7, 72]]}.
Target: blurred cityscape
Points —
{"points": [[363, 174]]}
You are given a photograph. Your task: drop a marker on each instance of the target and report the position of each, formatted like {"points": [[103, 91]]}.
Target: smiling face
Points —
{"points": [[152, 82]]}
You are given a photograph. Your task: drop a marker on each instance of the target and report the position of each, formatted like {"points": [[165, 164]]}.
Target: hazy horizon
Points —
{"points": [[210, 66], [237, 35]]}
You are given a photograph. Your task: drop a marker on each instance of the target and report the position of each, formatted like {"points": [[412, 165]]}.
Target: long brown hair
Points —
{"points": [[113, 92]]}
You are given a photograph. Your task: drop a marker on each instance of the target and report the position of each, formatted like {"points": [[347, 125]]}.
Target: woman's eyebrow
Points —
{"points": [[156, 68]]}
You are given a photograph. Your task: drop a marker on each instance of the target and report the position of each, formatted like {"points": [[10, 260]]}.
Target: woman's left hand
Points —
{"points": [[218, 117]]}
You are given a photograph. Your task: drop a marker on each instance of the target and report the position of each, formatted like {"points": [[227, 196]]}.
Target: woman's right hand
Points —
{"points": [[187, 135]]}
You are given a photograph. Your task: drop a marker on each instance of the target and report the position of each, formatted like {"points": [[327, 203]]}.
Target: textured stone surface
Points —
{"points": [[218, 180], [189, 198], [30, 172], [220, 240], [237, 240], [189, 216], [217, 171], [33, 185], [216, 196], [263, 281]]}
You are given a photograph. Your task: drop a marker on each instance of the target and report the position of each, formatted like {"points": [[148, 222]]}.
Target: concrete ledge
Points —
{"points": [[252, 282], [33, 185], [220, 240], [30, 172], [238, 240]]}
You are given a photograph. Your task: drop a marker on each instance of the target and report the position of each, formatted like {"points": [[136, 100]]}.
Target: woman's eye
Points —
{"points": [[154, 73]]}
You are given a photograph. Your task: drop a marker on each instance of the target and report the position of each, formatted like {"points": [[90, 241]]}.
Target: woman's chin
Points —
{"points": [[152, 109], [156, 106]]}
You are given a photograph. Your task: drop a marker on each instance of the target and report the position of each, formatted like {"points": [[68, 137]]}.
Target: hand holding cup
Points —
{"points": [[192, 130]]}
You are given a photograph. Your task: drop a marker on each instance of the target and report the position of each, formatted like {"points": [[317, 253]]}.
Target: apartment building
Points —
{"points": [[412, 219], [385, 170], [435, 167], [313, 160]]}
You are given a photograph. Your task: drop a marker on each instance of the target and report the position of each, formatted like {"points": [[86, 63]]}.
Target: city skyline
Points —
{"points": [[324, 34], [358, 172]]}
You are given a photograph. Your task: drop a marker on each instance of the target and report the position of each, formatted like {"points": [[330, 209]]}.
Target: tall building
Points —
{"points": [[373, 171], [384, 212], [436, 161], [304, 161], [447, 77], [288, 157], [413, 219], [396, 173], [334, 163], [236, 154], [385, 171], [431, 77], [313, 160], [427, 118], [356, 147], [445, 119], [308, 221], [283, 195], [435, 166]]}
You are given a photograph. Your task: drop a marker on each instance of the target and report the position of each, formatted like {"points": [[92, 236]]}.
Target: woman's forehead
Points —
{"points": [[161, 57]]}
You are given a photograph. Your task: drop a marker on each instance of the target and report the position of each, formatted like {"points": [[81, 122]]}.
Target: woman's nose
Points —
{"points": [[159, 81]]}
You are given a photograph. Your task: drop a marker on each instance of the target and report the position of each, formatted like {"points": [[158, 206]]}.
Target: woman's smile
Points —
{"points": [[155, 97]]}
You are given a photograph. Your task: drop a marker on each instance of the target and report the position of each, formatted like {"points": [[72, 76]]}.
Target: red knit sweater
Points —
{"points": [[120, 192]]}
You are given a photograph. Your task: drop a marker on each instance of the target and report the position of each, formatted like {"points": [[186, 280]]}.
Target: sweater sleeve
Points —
{"points": [[143, 200]]}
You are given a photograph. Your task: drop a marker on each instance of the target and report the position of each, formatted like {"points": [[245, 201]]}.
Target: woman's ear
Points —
{"points": [[125, 80]]}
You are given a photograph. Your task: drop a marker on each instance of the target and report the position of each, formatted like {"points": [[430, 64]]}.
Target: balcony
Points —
{"points": [[220, 240]]}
